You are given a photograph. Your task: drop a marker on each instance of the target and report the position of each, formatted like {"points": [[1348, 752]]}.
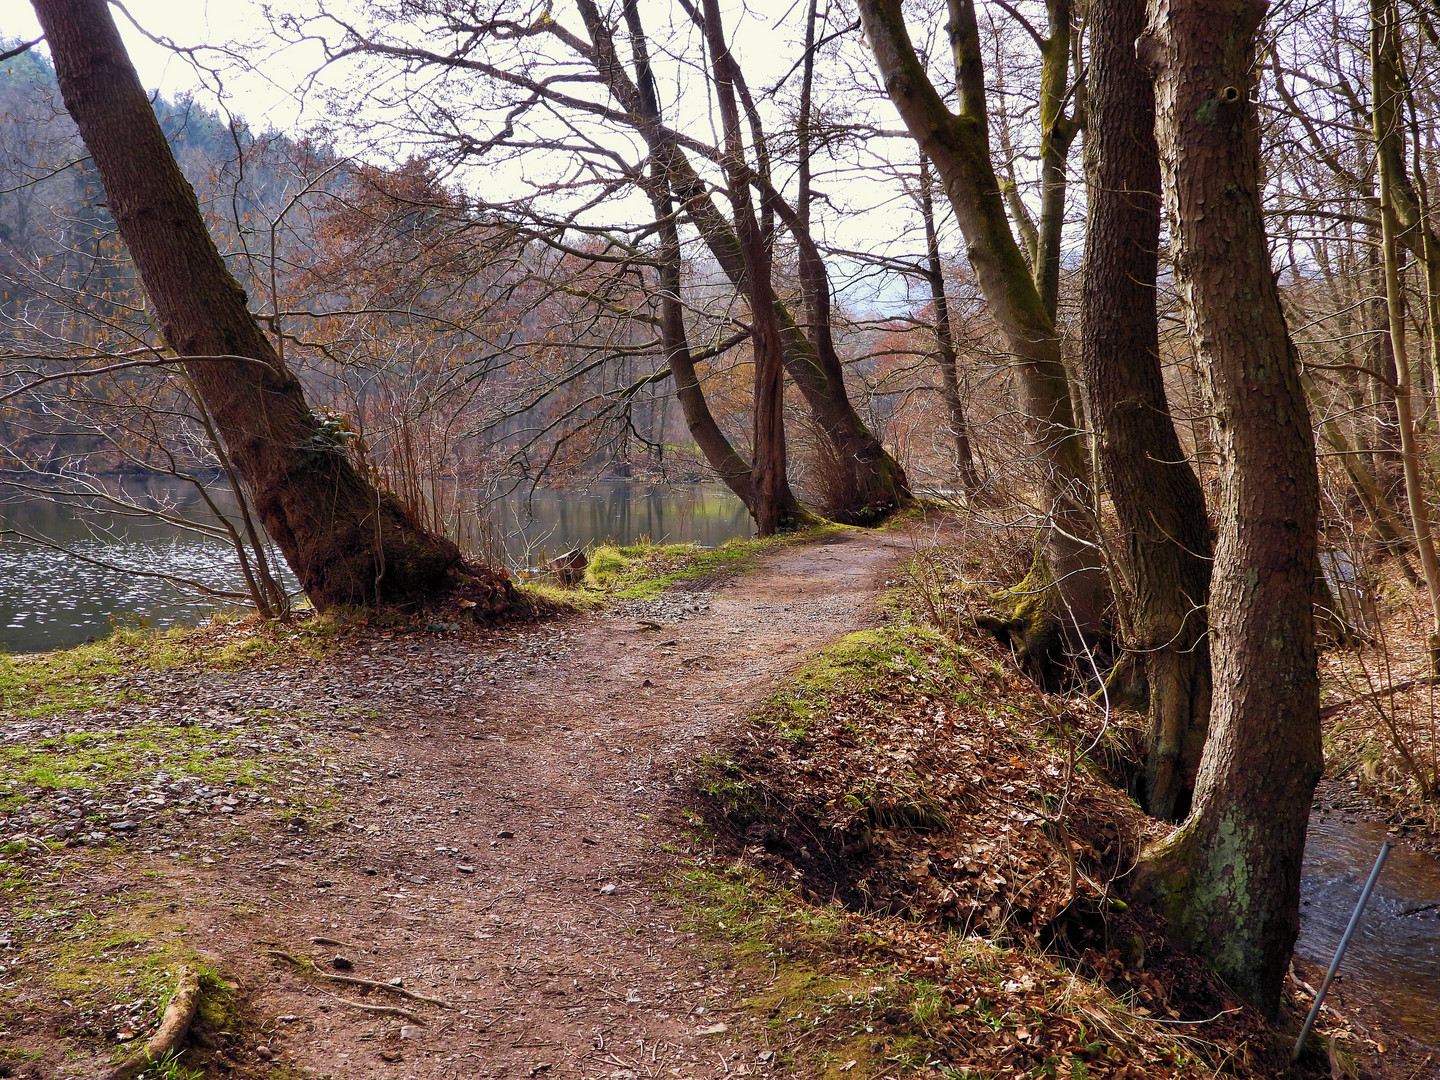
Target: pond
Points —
{"points": [[50, 599]]}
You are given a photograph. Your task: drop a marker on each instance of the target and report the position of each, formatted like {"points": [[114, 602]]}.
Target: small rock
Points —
{"points": [[606, 890], [588, 840], [646, 682], [464, 869], [124, 826], [390, 1055], [632, 998], [506, 834], [410, 1031], [264, 1053], [713, 1029], [397, 981], [343, 963]]}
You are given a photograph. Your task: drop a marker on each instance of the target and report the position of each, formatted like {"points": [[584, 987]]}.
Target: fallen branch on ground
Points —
{"points": [[1395, 688], [309, 966], [174, 1025], [384, 1010]]}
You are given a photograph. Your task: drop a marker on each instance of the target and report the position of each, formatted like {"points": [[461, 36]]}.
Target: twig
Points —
{"points": [[174, 1024], [310, 967], [385, 1010], [498, 897], [1394, 688]]}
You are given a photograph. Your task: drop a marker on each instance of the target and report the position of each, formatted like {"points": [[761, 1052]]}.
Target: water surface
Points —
{"points": [[50, 599], [1393, 961]]}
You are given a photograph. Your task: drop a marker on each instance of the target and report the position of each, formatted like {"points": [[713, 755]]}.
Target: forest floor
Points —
{"points": [[665, 838]]}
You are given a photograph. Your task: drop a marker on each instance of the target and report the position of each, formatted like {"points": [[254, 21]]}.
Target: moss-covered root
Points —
{"points": [[1033, 632], [174, 1025]]}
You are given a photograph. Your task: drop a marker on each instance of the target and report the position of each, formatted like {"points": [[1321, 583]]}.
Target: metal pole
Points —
{"points": [[1340, 950]]}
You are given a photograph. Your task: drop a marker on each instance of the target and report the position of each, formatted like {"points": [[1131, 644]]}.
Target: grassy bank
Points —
{"points": [[916, 860]]}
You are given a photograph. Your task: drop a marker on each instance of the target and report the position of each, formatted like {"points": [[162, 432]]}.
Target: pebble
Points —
{"points": [[668, 609]]}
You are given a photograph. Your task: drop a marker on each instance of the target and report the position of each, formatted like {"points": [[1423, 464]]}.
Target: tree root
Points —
{"points": [[311, 968], [174, 1025], [383, 1010]]}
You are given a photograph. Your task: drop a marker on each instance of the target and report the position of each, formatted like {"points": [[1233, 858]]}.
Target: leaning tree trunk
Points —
{"points": [[347, 542], [876, 479], [704, 429], [1228, 880], [959, 147], [1384, 64], [1158, 501], [767, 464]]}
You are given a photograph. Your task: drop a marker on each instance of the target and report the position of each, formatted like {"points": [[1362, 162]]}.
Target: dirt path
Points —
{"points": [[515, 797]]}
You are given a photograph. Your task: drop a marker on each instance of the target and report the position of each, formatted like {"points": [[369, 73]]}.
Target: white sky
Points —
{"points": [[263, 102], [265, 94]]}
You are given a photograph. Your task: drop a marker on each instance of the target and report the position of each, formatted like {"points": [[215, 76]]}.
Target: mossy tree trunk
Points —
{"points": [[1386, 82], [347, 541], [1228, 880], [959, 146], [1165, 547]]}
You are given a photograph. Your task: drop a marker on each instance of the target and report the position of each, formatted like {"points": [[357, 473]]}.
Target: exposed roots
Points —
{"points": [[174, 1026]]}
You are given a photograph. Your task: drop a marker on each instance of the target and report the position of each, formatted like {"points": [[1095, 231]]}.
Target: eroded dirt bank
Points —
{"points": [[505, 816]]}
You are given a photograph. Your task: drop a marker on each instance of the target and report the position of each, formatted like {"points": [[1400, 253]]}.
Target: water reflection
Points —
{"points": [[52, 600], [548, 522], [1394, 959]]}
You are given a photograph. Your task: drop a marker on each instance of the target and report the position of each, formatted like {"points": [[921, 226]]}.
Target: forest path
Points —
{"points": [[520, 793]]}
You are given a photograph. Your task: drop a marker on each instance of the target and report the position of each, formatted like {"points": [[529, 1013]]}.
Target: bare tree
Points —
{"points": [[1163, 562], [346, 541], [1229, 878]]}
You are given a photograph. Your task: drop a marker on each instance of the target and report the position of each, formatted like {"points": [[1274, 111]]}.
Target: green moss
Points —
{"points": [[919, 655], [819, 989], [84, 677], [88, 759], [548, 597], [643, 571]]}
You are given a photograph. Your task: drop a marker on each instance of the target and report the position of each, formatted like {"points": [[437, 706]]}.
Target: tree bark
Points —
{"points": [[718, 451], [1165, 536], [348, 542], [1384, 53], [945, 357], [770, 484], [1228, 880], [959, 146], [876, 478]]}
